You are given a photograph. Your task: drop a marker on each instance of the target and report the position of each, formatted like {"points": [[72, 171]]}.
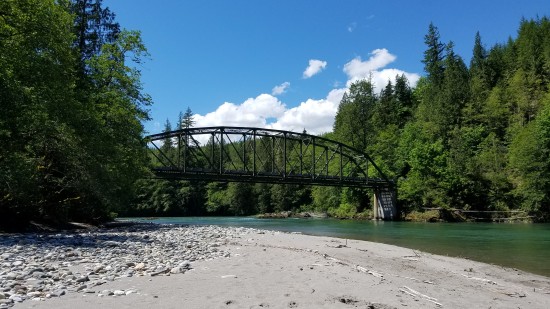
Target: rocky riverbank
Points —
{"points": [[290, 214], [35, 267], [156, 266]]}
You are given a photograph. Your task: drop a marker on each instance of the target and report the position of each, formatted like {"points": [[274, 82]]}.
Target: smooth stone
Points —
{"points": [[175, 270], [34, 294], [11, 276], [16, 298], [119, 293], [140, 266]]}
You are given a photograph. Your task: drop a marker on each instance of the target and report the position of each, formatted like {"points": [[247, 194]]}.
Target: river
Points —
{"points": [[520, 245]]}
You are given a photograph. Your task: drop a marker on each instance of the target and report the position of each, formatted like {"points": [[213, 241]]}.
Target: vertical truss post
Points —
{"points": [[221, 151], [284, 155], [185, 146], [301, 156], [213, 151], [254, 153], [272, 154], [179, 150], [244, 153], [313, 158], [341, 163]]}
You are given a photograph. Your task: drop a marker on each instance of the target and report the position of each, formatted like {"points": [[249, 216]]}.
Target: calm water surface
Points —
{"points": [[522, 246]]}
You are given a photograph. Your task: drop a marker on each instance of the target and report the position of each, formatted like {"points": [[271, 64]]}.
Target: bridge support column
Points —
{"points": [[385, 204]]}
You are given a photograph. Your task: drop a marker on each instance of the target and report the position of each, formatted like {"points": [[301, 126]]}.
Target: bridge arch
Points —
{"points": [[247, 154]]}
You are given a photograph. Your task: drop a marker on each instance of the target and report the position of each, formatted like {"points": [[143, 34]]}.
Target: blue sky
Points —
{"points": [[285, 64]]}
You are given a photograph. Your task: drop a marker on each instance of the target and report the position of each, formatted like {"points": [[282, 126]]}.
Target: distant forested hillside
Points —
{"points": [[471, 136]]}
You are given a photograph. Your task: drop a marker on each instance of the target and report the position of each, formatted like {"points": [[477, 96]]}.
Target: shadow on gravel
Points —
{"points": [[111, 235]]}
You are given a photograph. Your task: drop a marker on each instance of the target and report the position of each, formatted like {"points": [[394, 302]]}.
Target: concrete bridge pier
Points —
{"points": [[385, 204]]}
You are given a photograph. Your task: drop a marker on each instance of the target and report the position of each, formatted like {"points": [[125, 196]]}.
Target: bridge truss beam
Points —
{"points": [[244, 154]]}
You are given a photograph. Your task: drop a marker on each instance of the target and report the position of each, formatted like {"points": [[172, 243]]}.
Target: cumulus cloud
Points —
{"points": [[373, 68], [266, 111], [314, 67], [314, 115], [282, 88], [253, 112]]}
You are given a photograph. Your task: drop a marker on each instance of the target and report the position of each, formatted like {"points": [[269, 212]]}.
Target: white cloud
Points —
{"points": [[379, 58], [314, 115], [315, 66], [373, 68], [253, 112], [282, 88]]}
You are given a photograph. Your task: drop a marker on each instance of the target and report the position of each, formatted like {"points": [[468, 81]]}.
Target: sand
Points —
{"points": [[281, 270]]}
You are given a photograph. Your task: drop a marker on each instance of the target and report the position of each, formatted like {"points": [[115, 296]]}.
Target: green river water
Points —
{"points": [[521, 245]]}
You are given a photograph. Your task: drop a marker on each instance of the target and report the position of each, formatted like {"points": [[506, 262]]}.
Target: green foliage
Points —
{"points": [[325, 198], [344, 210], [71, 134]]}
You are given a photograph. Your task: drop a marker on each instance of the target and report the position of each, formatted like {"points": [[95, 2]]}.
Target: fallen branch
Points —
{"points": [[480, 279], [418, 294], [370, 272]]}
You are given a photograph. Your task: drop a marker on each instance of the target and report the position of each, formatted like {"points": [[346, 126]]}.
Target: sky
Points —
{"points": [[285, 64]]}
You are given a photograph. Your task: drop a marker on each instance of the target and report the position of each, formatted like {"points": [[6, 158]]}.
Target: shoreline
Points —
{"points": [[209, 266], [497, 252]]}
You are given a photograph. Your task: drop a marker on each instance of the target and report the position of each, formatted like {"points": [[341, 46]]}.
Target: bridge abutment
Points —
{"points": [[385, 204]]}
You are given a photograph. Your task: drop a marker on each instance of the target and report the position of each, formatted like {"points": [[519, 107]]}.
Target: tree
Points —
{"points": [[56, 169], [479, 82], [353, 124], [455, 89], [405, 103], [386, 109], [39, 158], [434, 56], [167, 143], [242, 200], [187, 120], [94, 26]]}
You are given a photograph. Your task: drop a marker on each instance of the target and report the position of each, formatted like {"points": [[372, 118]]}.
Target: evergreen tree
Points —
{"points": [[405, 103], [434, 56], [187, 119], [353, 123], [94, 26]]}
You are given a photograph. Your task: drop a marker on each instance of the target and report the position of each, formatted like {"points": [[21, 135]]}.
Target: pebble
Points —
{"points": [[42, 266], [119, 293]]}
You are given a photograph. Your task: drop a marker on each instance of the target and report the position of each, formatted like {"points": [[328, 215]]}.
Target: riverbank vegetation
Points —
{"points": [[71, 112], [470, 136]]}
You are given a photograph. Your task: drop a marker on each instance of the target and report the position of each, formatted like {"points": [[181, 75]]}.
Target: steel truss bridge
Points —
{"points": [[261, 155], [242, 154]]}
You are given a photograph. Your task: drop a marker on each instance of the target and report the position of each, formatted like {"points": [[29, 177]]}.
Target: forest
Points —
{"points": [[470, 136], [72, 111]]}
